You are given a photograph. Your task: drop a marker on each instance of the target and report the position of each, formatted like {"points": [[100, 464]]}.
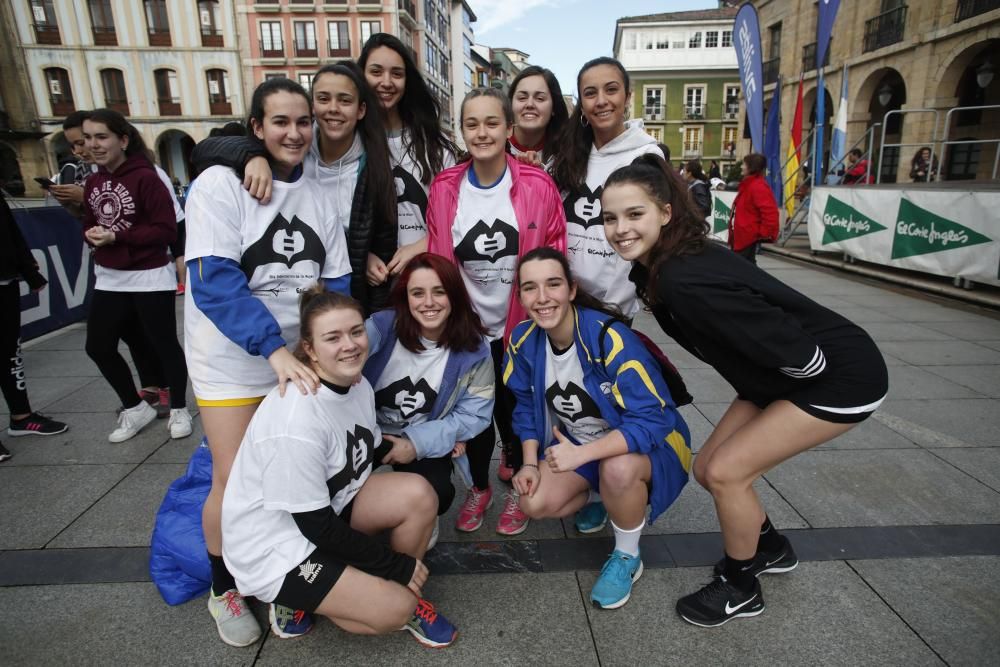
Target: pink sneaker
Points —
{"points": [[470, 517], [512, 520], [504, 472]]}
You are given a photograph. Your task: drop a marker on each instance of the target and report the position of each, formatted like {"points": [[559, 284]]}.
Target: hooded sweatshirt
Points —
{"points": [[596, 265], [338, 178], [411, 193]]}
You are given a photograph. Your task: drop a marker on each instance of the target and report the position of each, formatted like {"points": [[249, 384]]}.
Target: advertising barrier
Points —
{"points": [[950, 233], [56, 242], [722, 208]]}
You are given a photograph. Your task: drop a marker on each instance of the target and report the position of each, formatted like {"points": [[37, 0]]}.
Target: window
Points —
{"points": [[692, 141], [467, 46], [211, 25], [727, 38], [694, 101], [166, 92], [963, 162], [662, 41], [729, 136], [631, 41], [271, 45], [43, 16], [369, 28], [60, 92], [338, 38], [305, 39], [306, 79], [113, 82], [102, 22], [711, 40], [648, 42], [694, 42], [774, 32], [656, 133], [274, 75], [406, 35], [468, 77], [218, 84], [678, 44], [157, 25], [732, 101], [653, 107]]}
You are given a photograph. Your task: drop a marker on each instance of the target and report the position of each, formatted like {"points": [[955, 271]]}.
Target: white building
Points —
{"points": [[463, 68]]}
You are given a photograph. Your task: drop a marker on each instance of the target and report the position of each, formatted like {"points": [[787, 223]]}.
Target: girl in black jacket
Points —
{"points": [[803, 374], [697, 184]]}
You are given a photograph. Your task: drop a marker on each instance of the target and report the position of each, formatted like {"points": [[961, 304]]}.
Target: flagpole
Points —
{"points": [[818, 128]]}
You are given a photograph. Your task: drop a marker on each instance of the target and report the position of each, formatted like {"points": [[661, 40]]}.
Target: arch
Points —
{"points": [[219, 88], [173, 151], [115, 92], [964, 54], [60, 90], [168, 99]]}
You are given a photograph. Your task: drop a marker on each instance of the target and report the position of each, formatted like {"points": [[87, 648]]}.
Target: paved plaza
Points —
{"points": [[897, 524]]}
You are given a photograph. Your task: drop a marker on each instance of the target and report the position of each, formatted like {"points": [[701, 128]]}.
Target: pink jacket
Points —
{"points": [[537, 207]]}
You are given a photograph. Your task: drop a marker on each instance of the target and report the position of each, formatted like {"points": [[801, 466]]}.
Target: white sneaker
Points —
{"points": [[431, 543], [132, 420], [236, 623], [179, 423]]}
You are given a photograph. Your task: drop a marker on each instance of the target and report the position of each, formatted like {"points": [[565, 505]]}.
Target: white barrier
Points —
{"points": [[722, 207], [949, 233]]}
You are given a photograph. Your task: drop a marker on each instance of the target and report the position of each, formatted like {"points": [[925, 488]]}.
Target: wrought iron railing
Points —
{"points": [[885, 29], [966, 9]]}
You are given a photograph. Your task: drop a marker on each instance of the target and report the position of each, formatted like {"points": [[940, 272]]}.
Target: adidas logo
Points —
{"points": [[309, 571], [532, 225]]}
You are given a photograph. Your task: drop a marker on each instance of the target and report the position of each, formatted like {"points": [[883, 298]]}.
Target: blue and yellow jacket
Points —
{"points": [[627, 388]]}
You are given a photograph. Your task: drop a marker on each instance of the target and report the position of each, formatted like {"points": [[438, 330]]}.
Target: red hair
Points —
{"points": [[463, 330]]}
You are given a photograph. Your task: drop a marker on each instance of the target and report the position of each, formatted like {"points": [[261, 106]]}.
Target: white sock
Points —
{"points": [[627, 540], [594, 497]]}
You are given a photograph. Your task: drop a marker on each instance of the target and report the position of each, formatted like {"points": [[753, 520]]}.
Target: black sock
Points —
{"points": [[737, 573], [770, 539], [222, 581]]}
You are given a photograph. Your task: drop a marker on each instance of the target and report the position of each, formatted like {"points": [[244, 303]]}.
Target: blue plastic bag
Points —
{"points": [[178, 558]]}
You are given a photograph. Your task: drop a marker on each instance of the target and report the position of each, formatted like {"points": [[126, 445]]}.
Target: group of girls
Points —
{"points": [[518, 315]]}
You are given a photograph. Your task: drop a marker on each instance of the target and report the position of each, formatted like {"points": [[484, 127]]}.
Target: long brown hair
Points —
{"points": [[686, 233], [314, 302], [583, 299]]}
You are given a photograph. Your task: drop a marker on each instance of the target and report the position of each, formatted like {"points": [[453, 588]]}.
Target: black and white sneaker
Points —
{"points": [[719, 602], [767, 562], [4, 454]]}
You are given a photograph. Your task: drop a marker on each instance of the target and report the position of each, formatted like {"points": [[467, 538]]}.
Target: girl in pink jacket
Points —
{"points": [[484, 214]]}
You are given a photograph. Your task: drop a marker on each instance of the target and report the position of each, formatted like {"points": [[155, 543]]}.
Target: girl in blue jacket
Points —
{"points": [[432, 373], [591, 422]]}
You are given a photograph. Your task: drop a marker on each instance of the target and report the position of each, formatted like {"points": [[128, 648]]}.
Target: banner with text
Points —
{"points": [[943, 232], [746, 41], [722, 208]]}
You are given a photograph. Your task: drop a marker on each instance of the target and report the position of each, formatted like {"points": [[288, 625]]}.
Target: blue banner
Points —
{"points": [[824, 27], [56, 241], [748, 58], [772, 146]]}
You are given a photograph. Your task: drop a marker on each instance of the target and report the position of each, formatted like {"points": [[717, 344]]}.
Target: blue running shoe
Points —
{"points": [[289, 623], [429, 627], [591, 518], [613, 588]]}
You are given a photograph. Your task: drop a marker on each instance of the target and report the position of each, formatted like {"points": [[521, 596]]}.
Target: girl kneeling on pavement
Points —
{"points": [[301, 505], [589, 423]]}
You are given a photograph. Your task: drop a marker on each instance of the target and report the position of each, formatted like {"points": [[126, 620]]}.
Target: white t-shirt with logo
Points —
{"points": [[567, 397], [409, 385], [284, 248], [485, 237], [299, 454], [411, 192]]}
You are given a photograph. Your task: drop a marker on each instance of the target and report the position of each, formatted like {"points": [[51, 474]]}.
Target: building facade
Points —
{"points": [[172, 67], [921, 59], [463, 65], [685, 80]]}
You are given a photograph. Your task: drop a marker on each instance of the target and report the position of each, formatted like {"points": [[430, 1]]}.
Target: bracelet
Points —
{"points": [[530, 465]]}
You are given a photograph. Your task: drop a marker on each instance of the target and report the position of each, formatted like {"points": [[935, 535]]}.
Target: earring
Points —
{"points": [[583, 121]]}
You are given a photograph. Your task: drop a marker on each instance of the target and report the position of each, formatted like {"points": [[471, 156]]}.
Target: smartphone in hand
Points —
{"points": [[44, 182]]}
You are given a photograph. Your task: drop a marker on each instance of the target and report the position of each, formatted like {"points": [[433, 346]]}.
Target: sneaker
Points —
{"points": [[233, 618], [513, 521], [180, 423], [288, 623], [159, 399], [431, 543], [505, 472], [181, 289], [36, 424], [131, 421], [614, 587], [429, 627], [720, 602], [4, 454], [591, 518], [470, 516], [767, 562]]}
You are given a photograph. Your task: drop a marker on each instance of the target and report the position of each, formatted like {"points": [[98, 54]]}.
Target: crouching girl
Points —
{"points": [[300, 506], [591, 421]]}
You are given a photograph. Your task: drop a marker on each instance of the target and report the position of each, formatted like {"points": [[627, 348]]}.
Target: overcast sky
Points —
{"points": [[563, 34]]}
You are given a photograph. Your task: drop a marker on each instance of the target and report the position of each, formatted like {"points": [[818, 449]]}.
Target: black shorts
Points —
{"points": [[309, 582], [177, 247]]}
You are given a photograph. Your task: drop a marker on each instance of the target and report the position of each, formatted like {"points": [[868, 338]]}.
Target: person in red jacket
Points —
{"points": [[858, 169], [128, 218], [755, 213]]}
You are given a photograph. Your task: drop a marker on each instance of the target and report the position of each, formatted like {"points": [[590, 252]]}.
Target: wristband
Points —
{"points": [[530, 465]]}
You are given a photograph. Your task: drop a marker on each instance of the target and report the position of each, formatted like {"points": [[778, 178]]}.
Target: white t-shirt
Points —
{"points": [[409, 385], [411, 193], [485, 237], [567, 397], [283, 248], [299, 454]]}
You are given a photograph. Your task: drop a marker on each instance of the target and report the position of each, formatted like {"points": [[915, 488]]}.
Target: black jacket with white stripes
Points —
{"points": [[761, 335]]}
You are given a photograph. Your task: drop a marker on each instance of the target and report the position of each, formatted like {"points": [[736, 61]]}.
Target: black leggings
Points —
{"points": [[111, 316], [480, 448], [12, 377], [437, 471]]}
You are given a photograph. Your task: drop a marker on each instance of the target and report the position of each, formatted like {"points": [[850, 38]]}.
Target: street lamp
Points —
{"points": [[884, 95], [984, 74]]}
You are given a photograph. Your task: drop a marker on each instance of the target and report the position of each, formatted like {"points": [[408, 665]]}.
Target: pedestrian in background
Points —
{"points": [[755, 212]]}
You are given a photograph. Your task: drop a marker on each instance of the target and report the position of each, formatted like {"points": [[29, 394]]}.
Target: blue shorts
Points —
{"points": [[589, 471]]}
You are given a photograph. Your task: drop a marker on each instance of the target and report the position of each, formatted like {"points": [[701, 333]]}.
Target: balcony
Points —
{"points": [[966, 9], [809, 57], [692, 148], [408, 13], [169, 106], [369, 6], [211, 37], [305, 51], [272, 50], [105, 36], [159, 37], [694, 112], [652, 112], [47, 33], [301, 5], [340, 51], [885, 29], [62, 107], [771, 68], [334, 5], [732, 111], [220, 107], [117, 104]]}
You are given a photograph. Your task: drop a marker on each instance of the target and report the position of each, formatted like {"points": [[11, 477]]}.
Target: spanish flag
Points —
{"points": [[794, 153]]}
